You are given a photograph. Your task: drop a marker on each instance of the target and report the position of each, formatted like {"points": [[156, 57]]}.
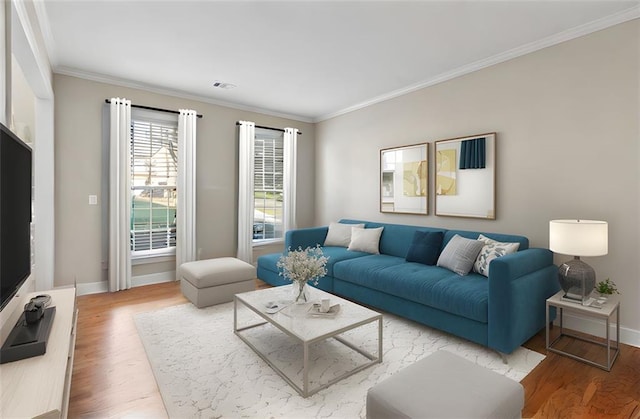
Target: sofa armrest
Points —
{"points": [[519, 285], [305, 237], [521, 263]]}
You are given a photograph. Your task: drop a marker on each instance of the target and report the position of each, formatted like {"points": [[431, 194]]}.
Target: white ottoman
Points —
{"points": [[443, 385], [214, 281]]}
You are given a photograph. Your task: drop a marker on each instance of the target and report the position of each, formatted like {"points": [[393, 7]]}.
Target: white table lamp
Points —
{"points": [[578, 238]]}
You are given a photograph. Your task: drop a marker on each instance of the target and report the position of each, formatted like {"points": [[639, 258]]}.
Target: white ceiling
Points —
{"points": [[307, 60]]}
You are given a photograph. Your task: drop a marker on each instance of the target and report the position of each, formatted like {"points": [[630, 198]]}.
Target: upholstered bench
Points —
{"points": [[443, 385], [214, 281]]}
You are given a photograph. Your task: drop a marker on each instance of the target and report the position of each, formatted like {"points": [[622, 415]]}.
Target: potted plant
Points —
{"points": [[606, 287]]}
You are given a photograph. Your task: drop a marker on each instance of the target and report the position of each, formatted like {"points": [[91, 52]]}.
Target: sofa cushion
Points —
{"points": [[425, 247], [333, 253], [460, 254], [396, 238], [492, 249], [340, 234], [365, 240], [466, 296]]}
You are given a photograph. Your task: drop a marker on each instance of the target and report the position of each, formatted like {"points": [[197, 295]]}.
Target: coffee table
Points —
{"points": [[295, 322]]}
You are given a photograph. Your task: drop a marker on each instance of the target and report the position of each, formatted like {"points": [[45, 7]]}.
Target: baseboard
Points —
{"points": [[136, 281], [91, 288], [156, 278], [597, 328]]}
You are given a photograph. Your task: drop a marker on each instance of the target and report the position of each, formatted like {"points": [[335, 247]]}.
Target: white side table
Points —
{"points": [[604, 313]]}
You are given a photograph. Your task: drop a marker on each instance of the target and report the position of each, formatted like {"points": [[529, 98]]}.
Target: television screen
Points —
{"points": [[15, 214]]}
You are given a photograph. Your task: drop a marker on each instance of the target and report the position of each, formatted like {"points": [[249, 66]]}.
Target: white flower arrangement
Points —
{"points": [[302, 266]]}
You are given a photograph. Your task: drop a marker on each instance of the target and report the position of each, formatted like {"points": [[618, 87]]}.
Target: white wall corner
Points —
{"points": [[33, 62], [5, 63]]}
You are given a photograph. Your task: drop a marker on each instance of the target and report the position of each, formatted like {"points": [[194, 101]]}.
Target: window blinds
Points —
{"points": [[268, 165], [154, 164], [268, 185]]}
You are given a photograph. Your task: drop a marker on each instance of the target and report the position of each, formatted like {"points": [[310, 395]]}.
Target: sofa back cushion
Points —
{"points": [[396, 239], [511, 238]]}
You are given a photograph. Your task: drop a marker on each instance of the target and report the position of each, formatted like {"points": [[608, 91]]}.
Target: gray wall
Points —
{"points": [[568, 146], [78, 160]]}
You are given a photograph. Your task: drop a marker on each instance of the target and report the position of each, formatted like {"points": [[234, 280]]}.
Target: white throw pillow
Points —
{"points": [[460, 254], [491, 250], [340, 234], [366, 240]]}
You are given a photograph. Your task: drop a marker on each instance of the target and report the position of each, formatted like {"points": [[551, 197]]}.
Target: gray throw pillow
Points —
{"points": [[460, 254]]}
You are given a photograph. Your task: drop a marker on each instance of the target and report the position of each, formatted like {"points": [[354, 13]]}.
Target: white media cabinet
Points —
{"points": [[39, 386]]}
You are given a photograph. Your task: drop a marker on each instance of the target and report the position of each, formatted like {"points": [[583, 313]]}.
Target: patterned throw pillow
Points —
{"points": [[492, 250]]}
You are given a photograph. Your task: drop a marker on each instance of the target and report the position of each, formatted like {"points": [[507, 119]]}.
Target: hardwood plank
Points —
{"points": [[560, 387], [112, 376], [111, 373]]}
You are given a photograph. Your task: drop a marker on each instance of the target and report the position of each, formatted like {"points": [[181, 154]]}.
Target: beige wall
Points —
{"points": [[568, 146], [78, 136]]}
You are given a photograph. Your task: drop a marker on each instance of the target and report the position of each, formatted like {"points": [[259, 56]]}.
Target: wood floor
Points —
{"points": [[112, 377]]}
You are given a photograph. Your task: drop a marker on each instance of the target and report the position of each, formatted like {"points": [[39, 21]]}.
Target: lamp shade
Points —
{"points": [[579, 237]]}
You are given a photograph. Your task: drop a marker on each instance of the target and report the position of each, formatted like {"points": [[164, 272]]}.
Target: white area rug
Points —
{"points": [[204, 370]]}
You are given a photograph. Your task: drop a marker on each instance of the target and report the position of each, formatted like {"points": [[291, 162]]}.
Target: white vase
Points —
{"points": [[300, 292]]}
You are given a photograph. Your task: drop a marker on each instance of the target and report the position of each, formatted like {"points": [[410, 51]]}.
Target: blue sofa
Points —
{"points": [[500, 311]]}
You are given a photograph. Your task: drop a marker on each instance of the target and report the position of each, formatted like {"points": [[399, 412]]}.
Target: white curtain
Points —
{"points": [[186, 207], [120, 195], [290, 168], [247, 133]]}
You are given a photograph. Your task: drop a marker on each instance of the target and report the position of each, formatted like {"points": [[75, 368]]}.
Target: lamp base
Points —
{"points": [[577, 279]]}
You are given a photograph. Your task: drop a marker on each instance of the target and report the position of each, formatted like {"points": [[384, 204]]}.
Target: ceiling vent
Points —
{"points": [[222, 85]]}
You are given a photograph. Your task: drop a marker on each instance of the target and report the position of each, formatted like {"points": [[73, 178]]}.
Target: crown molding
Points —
{"points": [[101, 78], [567, 35]]}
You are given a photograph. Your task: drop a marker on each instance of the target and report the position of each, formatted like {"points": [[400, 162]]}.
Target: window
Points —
{"points": [[268, 187], [154, 171]]}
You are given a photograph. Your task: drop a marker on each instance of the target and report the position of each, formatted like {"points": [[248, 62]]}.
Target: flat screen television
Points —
{"points": [[15, 214]]}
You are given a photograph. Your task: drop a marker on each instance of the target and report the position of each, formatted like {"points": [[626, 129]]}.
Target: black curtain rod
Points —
{"points": [[273, 129], [150, 108]]}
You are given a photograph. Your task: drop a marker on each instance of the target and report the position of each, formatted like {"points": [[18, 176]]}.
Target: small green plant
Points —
{"points": [[607, 287]]}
